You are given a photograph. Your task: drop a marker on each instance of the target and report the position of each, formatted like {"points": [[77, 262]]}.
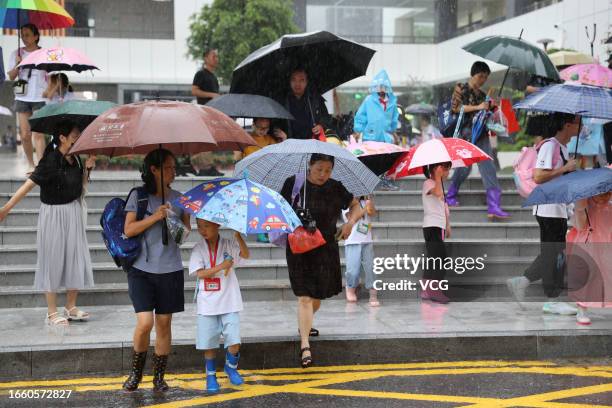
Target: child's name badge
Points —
{"points": [[212, 284], [363, 228]]}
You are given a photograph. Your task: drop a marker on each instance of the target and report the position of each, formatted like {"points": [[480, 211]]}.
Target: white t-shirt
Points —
{"points": [[68, 96], [37, 83], [435, 210], [545, 161], [362, 225], [220, 294]]}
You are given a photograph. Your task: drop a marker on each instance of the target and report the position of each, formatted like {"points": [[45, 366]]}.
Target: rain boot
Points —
{"points": [[211, 376], [493, 200], [451, 196], [159, 370], [138, 362], [231, 368]]}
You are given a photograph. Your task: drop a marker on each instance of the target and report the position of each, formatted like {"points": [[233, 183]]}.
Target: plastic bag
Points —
{"points": [[498, 123], [301, 241], [177, 229]]}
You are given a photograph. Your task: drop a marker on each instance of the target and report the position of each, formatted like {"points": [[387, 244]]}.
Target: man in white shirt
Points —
{"points": [[553, 161]]}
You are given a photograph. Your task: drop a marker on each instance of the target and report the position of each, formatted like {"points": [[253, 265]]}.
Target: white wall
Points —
{"points": [[132, 60]]}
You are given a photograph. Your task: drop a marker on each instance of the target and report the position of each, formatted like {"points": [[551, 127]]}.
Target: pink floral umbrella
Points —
{"points": [[459, 152], [589, 74], [58, 59]]}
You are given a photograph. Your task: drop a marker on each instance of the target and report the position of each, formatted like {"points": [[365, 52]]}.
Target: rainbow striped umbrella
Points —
{"points": [[45, 14]]}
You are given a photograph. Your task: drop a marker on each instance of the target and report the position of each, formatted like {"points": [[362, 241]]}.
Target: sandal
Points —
{"points": [[55, 319], [306, 361], [79, 316], [313, 332]]}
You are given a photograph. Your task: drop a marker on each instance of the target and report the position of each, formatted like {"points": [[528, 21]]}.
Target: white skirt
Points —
{"points": [[63, 253]]}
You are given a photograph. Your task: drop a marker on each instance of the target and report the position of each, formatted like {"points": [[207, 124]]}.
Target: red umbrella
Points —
{"points": [[459, 152], [182, 128]]}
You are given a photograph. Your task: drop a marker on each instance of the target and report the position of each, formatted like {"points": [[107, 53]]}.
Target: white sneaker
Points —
{"points": [[582, 318], [517, 287], [560, 308]]}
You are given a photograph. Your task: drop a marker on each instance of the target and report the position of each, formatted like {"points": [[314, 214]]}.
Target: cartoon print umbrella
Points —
{"points": [[241, 205], [589, 74], [459, 152], [58, 59]]}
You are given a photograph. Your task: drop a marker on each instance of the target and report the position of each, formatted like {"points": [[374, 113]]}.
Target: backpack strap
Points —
{"points": [[142, 203]]}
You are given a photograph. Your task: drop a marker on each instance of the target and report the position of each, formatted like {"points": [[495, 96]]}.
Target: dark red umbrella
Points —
{"points": [[182, 128]]}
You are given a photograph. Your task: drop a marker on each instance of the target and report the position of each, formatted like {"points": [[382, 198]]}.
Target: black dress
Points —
{"points": [[317, 273]]}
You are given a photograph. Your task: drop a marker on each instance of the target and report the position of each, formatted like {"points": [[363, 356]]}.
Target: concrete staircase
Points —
{"points": [[509, 246]]}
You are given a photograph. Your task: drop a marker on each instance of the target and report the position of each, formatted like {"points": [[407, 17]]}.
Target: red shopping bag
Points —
{"points": [[506, 108]]}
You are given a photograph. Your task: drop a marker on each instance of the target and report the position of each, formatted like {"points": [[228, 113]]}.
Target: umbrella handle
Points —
{"points": [[577, 139], [163, 198]]}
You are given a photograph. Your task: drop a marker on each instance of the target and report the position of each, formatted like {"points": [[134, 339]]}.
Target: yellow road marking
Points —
{"points": [[310, 380], [547, 399]]}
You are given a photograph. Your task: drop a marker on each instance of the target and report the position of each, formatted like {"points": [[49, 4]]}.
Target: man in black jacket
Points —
{"points": [[307, 107]]}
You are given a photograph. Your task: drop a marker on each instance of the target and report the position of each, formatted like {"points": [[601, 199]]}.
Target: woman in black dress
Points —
{"points": [[316, 275]]}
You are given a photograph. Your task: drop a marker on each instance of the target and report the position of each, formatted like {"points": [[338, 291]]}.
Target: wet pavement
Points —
{"points": [[476, 384]]}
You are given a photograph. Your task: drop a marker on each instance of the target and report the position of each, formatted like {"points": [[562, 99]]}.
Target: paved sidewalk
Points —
{"points": [[111, 326]]}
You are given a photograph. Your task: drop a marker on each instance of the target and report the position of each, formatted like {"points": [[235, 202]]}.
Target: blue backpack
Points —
{"points": [[449, 122], [124, 250]]}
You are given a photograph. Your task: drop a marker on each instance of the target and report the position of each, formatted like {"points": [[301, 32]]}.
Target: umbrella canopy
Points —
{"points": [[421, 109], [45, 14], [377, 156], [82, 113], [561, 58], [240, 204], [588, 74], [58, 59], [588, 101], [328, 59], [459, 152], [514, 53], [5, 111], [571, 187], [183, 128], [273, 164], [250, 106]]}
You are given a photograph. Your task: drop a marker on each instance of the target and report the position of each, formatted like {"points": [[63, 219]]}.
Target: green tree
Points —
{"points": [[236, 28]]}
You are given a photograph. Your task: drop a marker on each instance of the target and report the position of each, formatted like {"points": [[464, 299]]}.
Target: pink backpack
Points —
{"points": [[525, 164]]}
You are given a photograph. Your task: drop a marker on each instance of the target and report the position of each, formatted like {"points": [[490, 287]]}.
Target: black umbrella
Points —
{"points": [[329, 61], [249, 106]]}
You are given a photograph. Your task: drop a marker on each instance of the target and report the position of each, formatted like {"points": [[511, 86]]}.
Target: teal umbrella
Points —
{"points": [[82, 113], [514, 53]]}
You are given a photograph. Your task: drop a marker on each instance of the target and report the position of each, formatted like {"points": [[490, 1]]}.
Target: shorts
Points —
{"points": [[27, 107], [163, 293], [210, 328]]}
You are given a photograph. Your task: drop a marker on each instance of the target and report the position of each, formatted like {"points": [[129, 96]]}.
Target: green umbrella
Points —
{"points": [[82, 113], [514, 53]]}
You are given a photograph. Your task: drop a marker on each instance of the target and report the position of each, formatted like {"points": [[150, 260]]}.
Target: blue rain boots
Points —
{"points": [[211, 376], [231, 368]]}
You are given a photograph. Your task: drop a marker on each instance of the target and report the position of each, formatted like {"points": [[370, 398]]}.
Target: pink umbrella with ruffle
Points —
{"points": [[589, 74], [58, 59]]}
